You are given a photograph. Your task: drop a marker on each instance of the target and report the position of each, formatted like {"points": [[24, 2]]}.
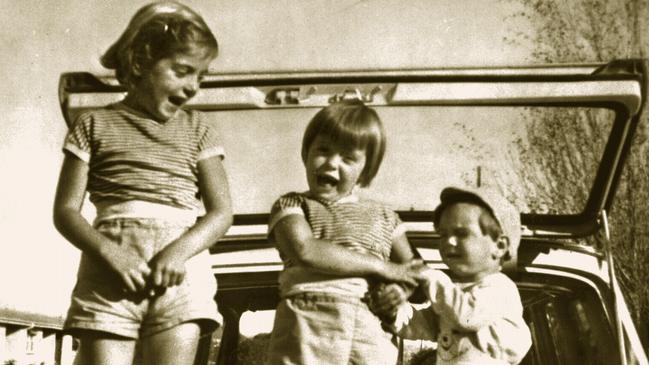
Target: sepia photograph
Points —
{"points": [[324, 182]]}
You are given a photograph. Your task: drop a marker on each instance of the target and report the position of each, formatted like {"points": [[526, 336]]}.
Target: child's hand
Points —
{"points": [[409, 273], [433, 281], [430, 276], [167, 268], [129, 266], [384, 301]]}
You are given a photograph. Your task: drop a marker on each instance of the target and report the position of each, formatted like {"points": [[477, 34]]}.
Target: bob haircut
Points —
{"points": [[353, 124], [156, 31]]}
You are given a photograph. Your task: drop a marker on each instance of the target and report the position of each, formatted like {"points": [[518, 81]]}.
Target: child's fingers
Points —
{"points": [[157, 278], [171, 278], [396, 291], [402, 273], [129, 284], [410, 280], [393, 298], [145, 269], [179, 278], [389, 289], [386, 301], [386, 304], [133, 281], [168, 277], [138, 280], [422, 277]]}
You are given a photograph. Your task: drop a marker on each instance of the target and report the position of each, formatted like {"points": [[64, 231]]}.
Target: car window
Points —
{"points": [[568, 326], [254, 329], [566, 317], [429, 148]]}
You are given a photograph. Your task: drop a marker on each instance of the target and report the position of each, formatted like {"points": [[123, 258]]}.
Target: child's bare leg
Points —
{"points": [[99, 349], [175, 346]]}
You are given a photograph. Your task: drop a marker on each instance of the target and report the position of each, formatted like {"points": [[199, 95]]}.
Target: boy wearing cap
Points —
{"points": [[475, 315]]}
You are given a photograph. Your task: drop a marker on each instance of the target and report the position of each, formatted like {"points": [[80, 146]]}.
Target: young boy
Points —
{"points": [[476, 315]]}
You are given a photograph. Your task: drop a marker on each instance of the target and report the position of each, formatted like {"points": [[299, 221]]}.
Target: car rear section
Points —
{"points": [[445, 126]]}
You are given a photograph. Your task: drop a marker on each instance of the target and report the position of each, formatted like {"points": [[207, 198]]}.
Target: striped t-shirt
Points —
{"points": [[365, 226], [133, 157]]}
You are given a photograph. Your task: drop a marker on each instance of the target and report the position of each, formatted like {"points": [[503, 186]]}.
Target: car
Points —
{"points": [[445, 127]]}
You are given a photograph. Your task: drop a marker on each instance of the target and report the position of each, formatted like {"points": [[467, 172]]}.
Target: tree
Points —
{"points": [[593, 31]]}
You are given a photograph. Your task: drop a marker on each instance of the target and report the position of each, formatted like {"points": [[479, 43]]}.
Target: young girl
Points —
{"points": [[144, 272], [331, 242]]}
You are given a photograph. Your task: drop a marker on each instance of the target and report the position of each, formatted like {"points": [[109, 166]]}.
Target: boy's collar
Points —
{"points": [[488, 276]]}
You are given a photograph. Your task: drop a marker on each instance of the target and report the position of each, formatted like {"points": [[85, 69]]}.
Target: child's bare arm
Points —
{"points": [[402, 252], [295, 239], [387, 299], [168, 266], [401, 249], [70, 192]]}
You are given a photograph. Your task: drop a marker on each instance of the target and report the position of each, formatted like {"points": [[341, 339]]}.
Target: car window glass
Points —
{"points": [[568, 327], [514, 148]]}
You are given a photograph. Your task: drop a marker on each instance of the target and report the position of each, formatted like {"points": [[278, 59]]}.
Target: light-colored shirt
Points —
{"points": [[133, 157], [477, 323], [360, 225]]}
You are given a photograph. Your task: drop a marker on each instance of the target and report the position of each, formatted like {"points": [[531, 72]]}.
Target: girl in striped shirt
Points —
{"points": [[333, 244], [150, 168]]}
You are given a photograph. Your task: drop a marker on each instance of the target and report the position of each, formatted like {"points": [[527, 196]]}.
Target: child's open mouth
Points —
{"points": [[327, 180], [177, 100]]}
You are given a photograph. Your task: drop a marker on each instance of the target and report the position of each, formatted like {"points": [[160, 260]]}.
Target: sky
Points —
{"points": [[42, 39]]}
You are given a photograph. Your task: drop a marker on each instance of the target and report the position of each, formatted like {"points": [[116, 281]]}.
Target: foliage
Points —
{"points": [[417, 352], [424, 357], [593, 31], [253, 350], [554, 157], [583, 30]]}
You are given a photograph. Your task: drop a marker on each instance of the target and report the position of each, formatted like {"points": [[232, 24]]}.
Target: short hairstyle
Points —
{"points": [[156, 31], [353, 124], [487, 221]]}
